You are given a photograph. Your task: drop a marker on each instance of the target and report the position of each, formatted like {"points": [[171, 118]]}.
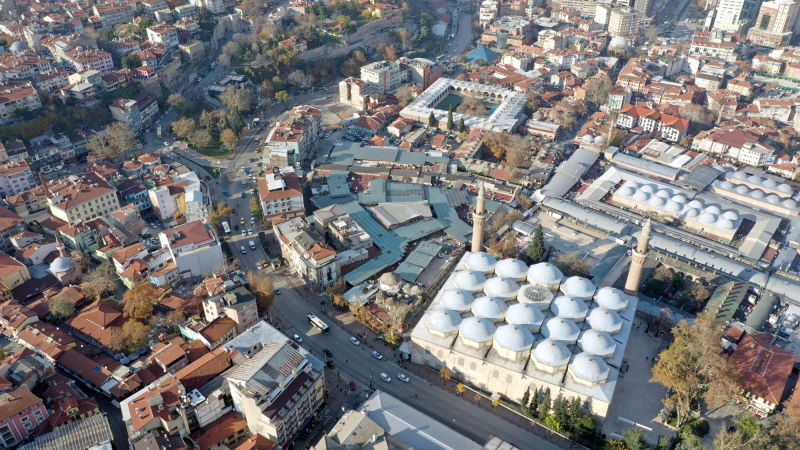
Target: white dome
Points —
{"points": [[600, 140], [476, 329], [673, 207], [757, 194], [443, 320], [597, 343], [603, 319], [727, 185], [739, 175], [663, 193], [552, 353], [578, 287], [641, 196], [489, 307], [769, 183], [730, 215], [511, 268], [657, 202], [586, 139], [691, 213], [679, 198], [481, 261], [569, 308], [754, 179], [61, 264], [742, 189], [538, 296], [18, 46], [501, 287], [611, 298], [773, 199], [618, 42], [588, 367], [525, 315], [544, 274], [390, 279], [696, 204], [784, 188], [457, 299], [625, 191], [470, 280], [713, 209], [632, 184], [560, 329], [789, 203], [513, 337], [725, 224], [707, 218], [647, 188]]}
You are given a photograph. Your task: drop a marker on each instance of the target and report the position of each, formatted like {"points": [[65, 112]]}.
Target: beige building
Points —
{"points": [[12, 272], [276, 389], [505, 327], [194, 51], [79, 198], [625, 22], [237, 304], [776, 23]]}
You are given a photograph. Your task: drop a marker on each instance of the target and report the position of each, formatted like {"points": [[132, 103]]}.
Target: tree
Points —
{"points": [[450, 123], [432, 122], [255, 206], [461, 126], [183, 128], [61, 307], [132, 335], [296, 78], [176, 100], [218, 214], [460, 388], [693, 368], [572, 263], [201, 138], [131, 61], [744, 434], [237, 99], [544, 405], [552, 423], [114, 143], [336, 293], [634, 439], [139, 300], [282, 96], [786, 432], [100, 281], [444, 372], [262, 287], [228, 138], [525, 398], [700, 292]]}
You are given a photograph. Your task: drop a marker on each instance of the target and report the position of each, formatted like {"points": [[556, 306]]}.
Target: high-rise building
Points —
{"points": [[624, 22], [638, 258], [776, 23], [643, 6], [736, 16]]}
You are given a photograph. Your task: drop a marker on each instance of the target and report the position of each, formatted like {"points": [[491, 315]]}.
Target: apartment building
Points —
{"points": [[111, 15], [277, 390], [776, 23], [625, 22], [280, 194], [237, 304], [81, 58], [296, 134], [386, 75], [138, 113], [306, 252], [163, 34], [21, 412], [15, 178], [18, 95], [640, 118], [79, 198], [194, 248], [214, 6]]}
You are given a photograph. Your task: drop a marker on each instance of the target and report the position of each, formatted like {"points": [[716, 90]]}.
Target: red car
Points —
{"points": [[352, 385]]}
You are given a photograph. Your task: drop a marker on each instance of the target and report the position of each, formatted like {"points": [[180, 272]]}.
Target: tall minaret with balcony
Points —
{"points": [[637, 260], [478, 217]]}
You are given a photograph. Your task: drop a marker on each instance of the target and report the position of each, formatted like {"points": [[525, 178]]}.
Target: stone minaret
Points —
{"points": [[477, 221], [637, 260]]}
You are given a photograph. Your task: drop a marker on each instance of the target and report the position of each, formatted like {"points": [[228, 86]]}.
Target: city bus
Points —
{"points": [[226, 227], [317, 323]]}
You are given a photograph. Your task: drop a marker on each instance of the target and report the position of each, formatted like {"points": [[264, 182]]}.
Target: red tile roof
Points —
{"points": [[763, 369], [16, 401], [192, 233]]}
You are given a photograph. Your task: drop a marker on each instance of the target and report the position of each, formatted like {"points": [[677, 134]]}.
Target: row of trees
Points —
{"points": [[513, 150], [570, 417], [217, 127]]}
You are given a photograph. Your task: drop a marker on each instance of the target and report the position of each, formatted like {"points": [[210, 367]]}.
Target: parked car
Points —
{"points": [[403, 377], [377, 355], [354, 341], [385, 377], [297, 339], [244, 250]]}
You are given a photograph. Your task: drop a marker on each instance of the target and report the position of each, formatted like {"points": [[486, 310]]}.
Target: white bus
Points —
{"points": [[319, 324], [226, 227]]}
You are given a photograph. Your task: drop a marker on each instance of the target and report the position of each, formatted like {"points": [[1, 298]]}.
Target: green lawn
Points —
{"points": [[215, 152]]}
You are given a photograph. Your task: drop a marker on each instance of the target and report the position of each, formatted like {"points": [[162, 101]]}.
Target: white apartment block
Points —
{"points": [[163, 34], [387, 75], [17, 96], [79, 198], [214, 6], [16, 178], [194, 248]]}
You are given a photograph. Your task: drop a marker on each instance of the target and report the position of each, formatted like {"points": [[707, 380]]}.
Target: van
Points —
{"points": [[252, 245]]}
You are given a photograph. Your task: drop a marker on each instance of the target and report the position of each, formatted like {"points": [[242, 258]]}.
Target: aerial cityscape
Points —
{"points": [[418, 224]]}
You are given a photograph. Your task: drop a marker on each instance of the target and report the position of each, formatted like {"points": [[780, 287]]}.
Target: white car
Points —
{"points": [[354, 341], [244, 232], [249, 231], [385, 377], [297, 339], [377, 355], [403, 377]]}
